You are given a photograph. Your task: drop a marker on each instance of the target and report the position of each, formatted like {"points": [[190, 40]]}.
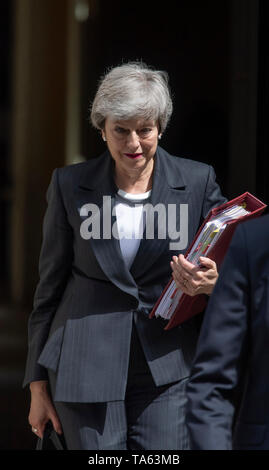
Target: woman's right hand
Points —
{"points": [[42, 409]]}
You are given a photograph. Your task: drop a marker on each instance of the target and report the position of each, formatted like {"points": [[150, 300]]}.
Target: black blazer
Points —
{"points": [[86, 299], [229, 388]]}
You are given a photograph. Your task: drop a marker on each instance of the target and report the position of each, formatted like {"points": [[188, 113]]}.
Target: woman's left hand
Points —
{"points": [[193, 280]]}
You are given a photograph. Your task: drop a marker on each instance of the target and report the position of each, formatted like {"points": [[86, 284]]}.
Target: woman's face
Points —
{"points": [[132, 143]]}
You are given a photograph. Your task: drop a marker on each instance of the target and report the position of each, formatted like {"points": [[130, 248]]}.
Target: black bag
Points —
{"points": [[51, 440]]}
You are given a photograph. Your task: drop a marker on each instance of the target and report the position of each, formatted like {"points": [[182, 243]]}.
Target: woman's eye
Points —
{"points": [[146, 130], [120, 130]]}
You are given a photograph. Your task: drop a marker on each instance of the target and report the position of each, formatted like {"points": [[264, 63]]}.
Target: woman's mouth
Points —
{"points": [[133, 155]]}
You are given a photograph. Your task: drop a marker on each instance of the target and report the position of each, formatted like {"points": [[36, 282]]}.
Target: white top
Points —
{"points": [[130, 222]]}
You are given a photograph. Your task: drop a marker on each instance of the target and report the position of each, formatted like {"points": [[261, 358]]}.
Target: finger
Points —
{"points": [[183, 284], [177, 276], [199, 275], [41, 429], [38, 429], [181, 275], [207, 262], [176, 268], [186, 265], [35, 430], [178, 280], [182, 265], [56, 424]]}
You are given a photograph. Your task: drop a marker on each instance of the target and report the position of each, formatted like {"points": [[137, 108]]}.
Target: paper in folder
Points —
{"points": [[212, 241]]}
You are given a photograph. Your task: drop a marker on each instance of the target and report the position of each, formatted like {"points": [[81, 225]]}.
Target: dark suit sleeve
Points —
{"points": [[220, 353], [213, 196], [54, 269]]}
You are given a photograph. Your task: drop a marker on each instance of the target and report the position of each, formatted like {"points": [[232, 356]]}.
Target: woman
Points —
{"points": [[103, 372]]}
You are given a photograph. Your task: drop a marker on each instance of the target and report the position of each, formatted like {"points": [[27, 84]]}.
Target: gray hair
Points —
{"points": [[132, 90]]}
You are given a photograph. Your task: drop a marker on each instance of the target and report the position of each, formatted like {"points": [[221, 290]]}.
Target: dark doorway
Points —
{"points": [[190, 40], [262, 164], [5, 164]]}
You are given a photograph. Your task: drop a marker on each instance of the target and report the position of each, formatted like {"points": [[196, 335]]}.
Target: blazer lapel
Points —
{"points": [[98, 187], [168, 187]]}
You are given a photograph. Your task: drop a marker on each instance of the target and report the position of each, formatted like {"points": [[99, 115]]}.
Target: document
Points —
{"points": [[211, 241], [208, 237]]}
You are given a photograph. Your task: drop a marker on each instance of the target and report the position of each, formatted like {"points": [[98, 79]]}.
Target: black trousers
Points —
{"points": [[150, 417]]}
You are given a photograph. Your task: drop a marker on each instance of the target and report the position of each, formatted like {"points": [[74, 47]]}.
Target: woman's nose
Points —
{"points": [[133, 140]]}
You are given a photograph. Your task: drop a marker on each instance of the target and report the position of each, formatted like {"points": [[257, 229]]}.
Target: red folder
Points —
{"points": [[189, 306]]}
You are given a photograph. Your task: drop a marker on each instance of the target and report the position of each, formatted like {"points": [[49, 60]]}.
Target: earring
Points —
{"points": [[104, 138], [159, 136]]}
